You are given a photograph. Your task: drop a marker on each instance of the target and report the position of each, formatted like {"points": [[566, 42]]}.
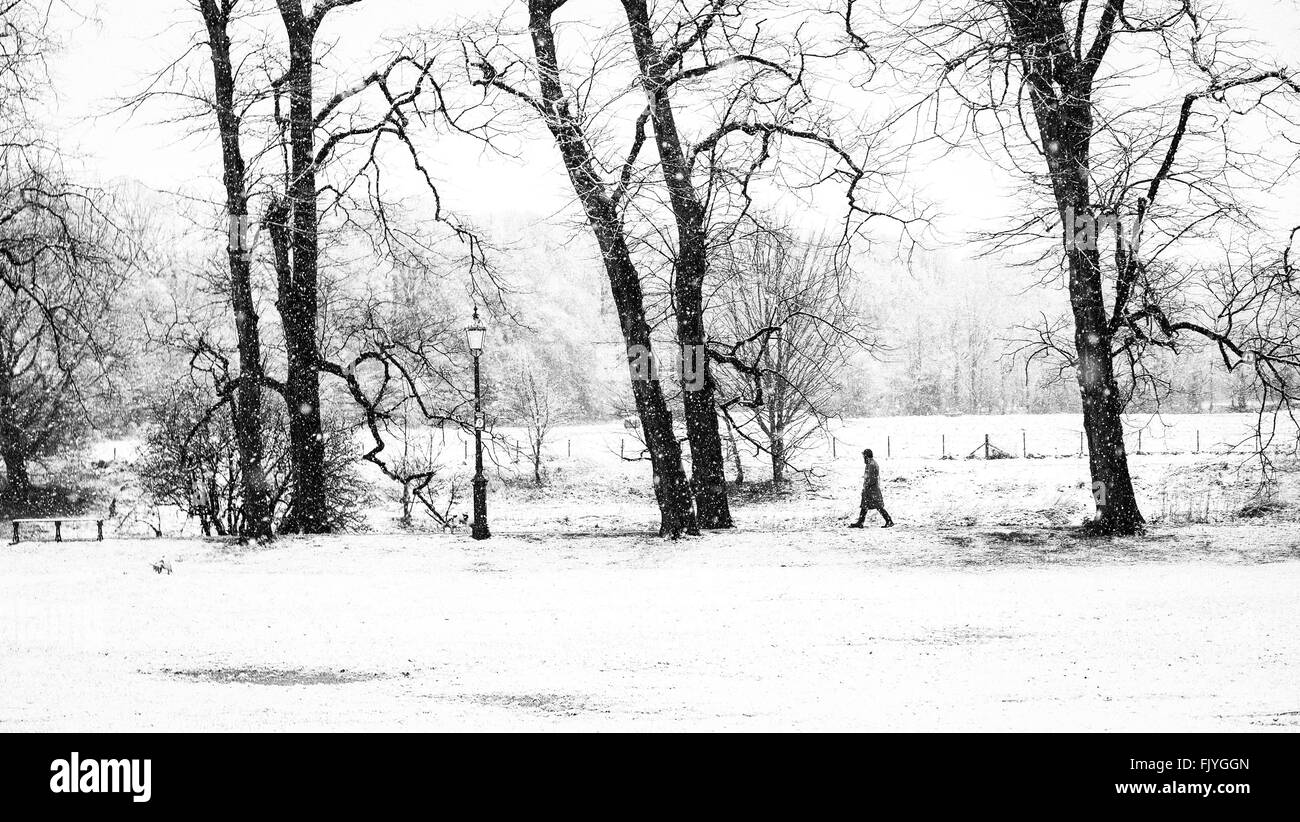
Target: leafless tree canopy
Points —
{"points": [[1130, 126], [740, 186]]}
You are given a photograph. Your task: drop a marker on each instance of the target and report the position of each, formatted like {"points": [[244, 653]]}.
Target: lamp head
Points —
{"points": [[475, 335]]}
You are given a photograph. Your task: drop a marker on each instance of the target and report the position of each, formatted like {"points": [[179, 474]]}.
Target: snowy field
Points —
{"points": [[888, 630], [983, 610]]}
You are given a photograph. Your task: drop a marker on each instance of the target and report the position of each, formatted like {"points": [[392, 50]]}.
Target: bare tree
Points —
{"points": [[603, 204], [64, 264], [789, 302], [533, 401], [716, 60], [322, 210], [1129, 179], [294, 226], [659, 68], [725, 56], [54, 364], [255, 520], [381, 107]]}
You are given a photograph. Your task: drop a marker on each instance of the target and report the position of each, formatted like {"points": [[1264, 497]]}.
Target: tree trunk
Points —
{"points": [[777, 447], [672, 492], [408, 502], [735, 456], [1103, 424], [255, 521], [956, 379], [298, 298], [20, 481], [707, 479], [1060, 89], [11, 450], [777, 413], [1112, 486]]}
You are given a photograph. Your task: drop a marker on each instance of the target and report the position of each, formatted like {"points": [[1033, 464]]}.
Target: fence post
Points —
{"points": [[889, 447], [1081, 443], [1024, 444], [570, 448], [1139, 441], [943, 445], [832, 446], [986, 446], [1198, 440], [620, 448], [465, 447]]}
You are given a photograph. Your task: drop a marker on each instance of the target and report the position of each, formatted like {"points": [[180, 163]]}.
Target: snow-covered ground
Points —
{"points": [[962, 628], [984, 610]]}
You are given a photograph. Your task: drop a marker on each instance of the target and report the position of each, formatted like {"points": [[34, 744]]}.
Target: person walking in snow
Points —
{"points": [[871, 494]]}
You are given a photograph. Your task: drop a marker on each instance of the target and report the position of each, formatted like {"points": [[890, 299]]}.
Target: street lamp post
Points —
{"points": [[474, 335]]}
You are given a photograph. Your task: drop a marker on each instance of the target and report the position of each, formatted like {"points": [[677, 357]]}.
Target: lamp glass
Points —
{"points": [[474, 335]]}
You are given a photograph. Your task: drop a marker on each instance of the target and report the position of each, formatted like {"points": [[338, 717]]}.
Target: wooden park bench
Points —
{"points": [[58, 526]]}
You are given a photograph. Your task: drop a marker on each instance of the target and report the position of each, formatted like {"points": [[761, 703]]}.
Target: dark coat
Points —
{"points": [[871, 494]]}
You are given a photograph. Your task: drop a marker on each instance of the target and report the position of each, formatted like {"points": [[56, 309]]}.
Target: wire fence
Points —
{"points": [[1048, 436], [893, 438], [1024, 445]]}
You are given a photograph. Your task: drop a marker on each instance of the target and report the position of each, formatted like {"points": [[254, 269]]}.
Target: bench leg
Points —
{"points": [[99, 527], [15, 542], [58, 531]]}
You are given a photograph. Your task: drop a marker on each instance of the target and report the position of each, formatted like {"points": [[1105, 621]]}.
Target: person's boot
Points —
{"points": [[889, 523], [857, 524]]}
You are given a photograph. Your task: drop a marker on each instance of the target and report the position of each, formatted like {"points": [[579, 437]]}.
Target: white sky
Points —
{"points": [[111, 53]]}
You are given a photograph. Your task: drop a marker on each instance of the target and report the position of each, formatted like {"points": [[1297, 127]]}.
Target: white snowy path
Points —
{"points": [[1195, 628]]}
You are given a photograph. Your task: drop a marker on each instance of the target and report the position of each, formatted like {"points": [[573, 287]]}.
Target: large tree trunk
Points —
{"points": [[298, 298], [11, 451], [16, 474], [708, 482], [707, 479], [1112, 487], [247, 416], [672, 492], [11, 434], [1060, 88]]}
